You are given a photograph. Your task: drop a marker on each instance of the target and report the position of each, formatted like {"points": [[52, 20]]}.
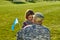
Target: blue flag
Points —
{"points": [[15, 22]]}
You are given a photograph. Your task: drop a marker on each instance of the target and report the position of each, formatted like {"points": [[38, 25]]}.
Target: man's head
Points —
{"points": [[38, 18]]}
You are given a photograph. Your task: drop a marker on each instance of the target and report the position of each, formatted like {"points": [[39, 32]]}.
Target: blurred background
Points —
{"points": [[12, 9]]}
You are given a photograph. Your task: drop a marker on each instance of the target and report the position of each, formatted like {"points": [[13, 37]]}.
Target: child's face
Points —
{"points": [[30, 17]]}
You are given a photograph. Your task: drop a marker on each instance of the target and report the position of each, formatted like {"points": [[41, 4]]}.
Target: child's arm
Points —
{"points": [[24, 24]]}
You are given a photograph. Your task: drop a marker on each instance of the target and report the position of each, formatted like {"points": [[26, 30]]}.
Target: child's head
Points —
{"points": [[29, 15]]}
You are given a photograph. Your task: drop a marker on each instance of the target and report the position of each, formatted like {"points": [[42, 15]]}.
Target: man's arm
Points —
{"points": [[19, 35], [47, 34], [27, 33], [24, 34]]}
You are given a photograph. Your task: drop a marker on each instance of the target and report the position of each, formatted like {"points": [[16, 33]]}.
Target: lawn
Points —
{"points": [[9, 11]]}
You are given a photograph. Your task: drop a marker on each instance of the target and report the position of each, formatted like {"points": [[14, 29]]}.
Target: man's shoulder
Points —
{"points": [[42, 27], [27, 27], [45, 29]]}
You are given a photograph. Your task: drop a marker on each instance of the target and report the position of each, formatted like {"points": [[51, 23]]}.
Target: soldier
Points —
{"points": [[35, 31]]}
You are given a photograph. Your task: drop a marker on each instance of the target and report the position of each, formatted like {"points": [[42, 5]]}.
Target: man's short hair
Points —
{"points": [[38, 16]]}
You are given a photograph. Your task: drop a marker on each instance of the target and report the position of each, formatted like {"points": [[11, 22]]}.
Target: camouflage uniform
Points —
{"points": [[33, 32]]}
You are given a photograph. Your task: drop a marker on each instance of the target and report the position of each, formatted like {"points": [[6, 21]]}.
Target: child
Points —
{"points": [[29, 18]]}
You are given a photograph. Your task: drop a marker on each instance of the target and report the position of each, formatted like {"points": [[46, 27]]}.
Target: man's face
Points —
{"points": [[30, 17]]}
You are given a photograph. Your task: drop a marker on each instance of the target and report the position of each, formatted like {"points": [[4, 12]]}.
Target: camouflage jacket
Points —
{"points": [[33, 32]]}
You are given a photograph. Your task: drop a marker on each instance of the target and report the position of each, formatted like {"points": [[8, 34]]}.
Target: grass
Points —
{"points": [[9, 11]]}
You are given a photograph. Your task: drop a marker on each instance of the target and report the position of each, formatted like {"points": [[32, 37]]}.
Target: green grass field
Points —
{"points": [[9, 11]]}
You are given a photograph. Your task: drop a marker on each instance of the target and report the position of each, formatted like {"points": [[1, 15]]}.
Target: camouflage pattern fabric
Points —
{"points": [[34, 32]]}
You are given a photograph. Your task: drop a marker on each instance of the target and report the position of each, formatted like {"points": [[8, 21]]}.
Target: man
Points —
{"points": [[35, 31]]}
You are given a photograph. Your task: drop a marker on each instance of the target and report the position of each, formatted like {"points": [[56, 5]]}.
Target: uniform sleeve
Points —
{"points": [[19, 35], [46, 34], [27, 33]]}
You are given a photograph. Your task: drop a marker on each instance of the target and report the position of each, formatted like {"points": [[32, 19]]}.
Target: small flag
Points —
{"points": [[15, 22]]}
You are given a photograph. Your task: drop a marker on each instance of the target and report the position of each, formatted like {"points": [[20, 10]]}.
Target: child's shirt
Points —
{"points": [[26, 23]]}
